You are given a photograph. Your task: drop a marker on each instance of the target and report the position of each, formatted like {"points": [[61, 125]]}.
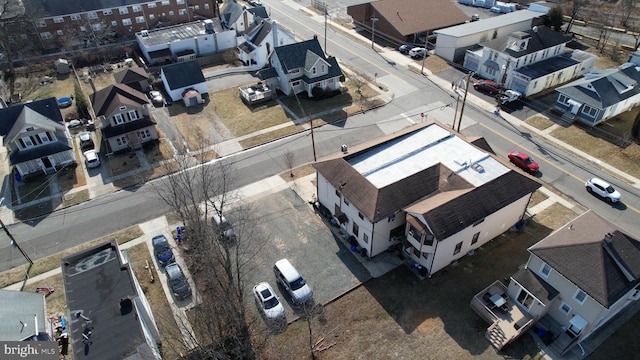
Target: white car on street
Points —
{"points": [[603, 189]]}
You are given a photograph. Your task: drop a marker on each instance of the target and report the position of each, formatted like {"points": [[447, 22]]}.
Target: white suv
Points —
{"points": [[418, 52], [602, 189], [291, 280]]}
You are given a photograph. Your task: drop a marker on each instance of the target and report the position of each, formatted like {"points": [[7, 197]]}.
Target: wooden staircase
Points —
{"points": [[496, 336]]}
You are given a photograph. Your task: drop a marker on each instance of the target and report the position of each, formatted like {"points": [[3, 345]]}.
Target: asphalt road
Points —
{"points": [[413, 94]]}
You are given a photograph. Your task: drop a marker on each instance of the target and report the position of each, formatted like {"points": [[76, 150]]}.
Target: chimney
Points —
{"points": [[93, 87], [274, 30]]}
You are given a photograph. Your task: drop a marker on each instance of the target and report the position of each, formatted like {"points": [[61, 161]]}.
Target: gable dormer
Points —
{"points": [[315, 65], [518, 41]]}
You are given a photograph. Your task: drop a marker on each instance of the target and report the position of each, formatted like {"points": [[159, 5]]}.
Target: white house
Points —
{"points": [[301, 67], [184, 81], [453, 42], [424, 187], [529, 61], [185, 41], [259, 41], [601, 94], [240, 18], [576, 280]]}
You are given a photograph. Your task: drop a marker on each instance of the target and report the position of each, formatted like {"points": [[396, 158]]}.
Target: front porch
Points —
{"points": [[507, 320]]}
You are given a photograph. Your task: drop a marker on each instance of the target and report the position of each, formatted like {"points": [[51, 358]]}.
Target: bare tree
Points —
{"points": [[627, 8], [195, 191], [310, 313], [605, 28], [577, 6]]}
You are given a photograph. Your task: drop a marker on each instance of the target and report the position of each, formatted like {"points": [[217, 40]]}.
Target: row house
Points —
{"points": [[529, 61], [78, 22]]}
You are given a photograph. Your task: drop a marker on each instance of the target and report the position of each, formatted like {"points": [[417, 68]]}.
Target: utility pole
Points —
{"points": [[313, 140], [373, 28], [464, 99], [325, 29], [15, 243]]}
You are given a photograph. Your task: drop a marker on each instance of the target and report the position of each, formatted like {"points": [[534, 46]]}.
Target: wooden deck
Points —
{"points": [[507, 321]]}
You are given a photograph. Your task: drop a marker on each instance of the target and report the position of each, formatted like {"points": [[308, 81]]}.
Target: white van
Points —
{"points": [[291, 280]]}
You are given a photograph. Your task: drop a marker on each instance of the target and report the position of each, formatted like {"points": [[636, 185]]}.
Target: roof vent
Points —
{"points": [[535, 29], [144, 33]]}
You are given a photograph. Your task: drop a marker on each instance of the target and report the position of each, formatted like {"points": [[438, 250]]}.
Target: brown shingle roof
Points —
{"points": [[103, 100], [130, 75], [591, 253], [416, 16]]}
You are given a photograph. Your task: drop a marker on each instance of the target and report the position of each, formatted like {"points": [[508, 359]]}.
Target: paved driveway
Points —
{"points": [[294, 231]]}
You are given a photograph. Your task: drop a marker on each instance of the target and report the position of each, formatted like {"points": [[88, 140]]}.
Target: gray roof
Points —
{"points": [[488, 24], [600, 88], [46, 107], [268, 73], [534, 284], [259, 11], [18, 307], [259, 31], [548, 66], [540, 38], [232, 12], [594, 255], [300, 54], [64, 7], [183, 74], [95, 283]]}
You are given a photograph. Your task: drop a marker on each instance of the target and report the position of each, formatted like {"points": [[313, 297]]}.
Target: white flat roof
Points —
{"points": [[412, 153], [489, 23]]}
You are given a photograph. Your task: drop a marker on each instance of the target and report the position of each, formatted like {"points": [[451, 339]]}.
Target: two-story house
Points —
{"points": [[576, 279], [301, 67], [427, 188], [88, 21], [601, 94], [260, 40], [36, 138], [529, 61], [124, 116]]}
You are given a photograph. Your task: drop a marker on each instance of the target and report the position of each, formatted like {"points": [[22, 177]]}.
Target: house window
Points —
{"points": [[139, 19], [96, 27], [136, 8], [478, 222], [580, 296], [133, 115], [545, 270], [206, 6], [565, 308], [360, 216], [58, 20], [414, 233], [391, 218], [475, 238], [182, 12], [294, 71], [45, 137], [151, 6], [75, 17], [338, 193], [458, 248], [122, 108], [346, 202], [166, 3], [356, 229], [295, 83], [525, 299], [26, 142], [83, 28], [123, 11], [145, 134], [126, 22], [330, 81], [313, 70], [59, 32], [114, 23], [45, 35], [322, 68], [41, 23], [197, 7], [121, 141], [92, 15], [180, 2], [171, 13], [107, 12], [416, 252], [365, 237], [428, 240], [589, 111], [118, 119]]}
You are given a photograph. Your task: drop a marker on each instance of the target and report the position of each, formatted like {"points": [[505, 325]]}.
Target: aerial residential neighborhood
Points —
{"points": [[320, 180]]}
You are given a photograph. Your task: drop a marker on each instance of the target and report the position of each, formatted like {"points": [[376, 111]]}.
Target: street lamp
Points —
{"points": [[373, 28]]}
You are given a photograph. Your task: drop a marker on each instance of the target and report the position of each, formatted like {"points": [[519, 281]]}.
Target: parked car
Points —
{"points": [[178, 282], [86, 142], [156, 97], [523, 161], [91, 158], [162, 250], [292, 281], [74, 124], [224, 227], [418, 52], [603, 189], [489, 86], [475, 17], [404, 49], [268, 302]]}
